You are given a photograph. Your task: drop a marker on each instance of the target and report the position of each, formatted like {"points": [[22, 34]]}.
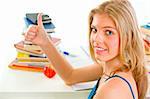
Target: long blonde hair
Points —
{"points": [[131, 51]]}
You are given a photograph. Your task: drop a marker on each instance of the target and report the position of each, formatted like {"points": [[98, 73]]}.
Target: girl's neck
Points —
{"points": [[112, 65]]}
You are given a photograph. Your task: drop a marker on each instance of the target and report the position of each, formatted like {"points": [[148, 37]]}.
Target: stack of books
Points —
{"points": [[30, 57], [145, 29], [31, 18]]}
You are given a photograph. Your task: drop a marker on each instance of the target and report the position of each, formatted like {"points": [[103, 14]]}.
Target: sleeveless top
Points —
{"points": [[93, 91]]}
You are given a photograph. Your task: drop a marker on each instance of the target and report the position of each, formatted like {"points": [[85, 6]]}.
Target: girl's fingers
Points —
{"points": [[31, 33], [28, 39], [39, 20], [30, 36], [32, 28]]}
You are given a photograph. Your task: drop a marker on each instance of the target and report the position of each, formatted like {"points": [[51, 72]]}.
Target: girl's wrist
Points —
{"points": [[46, 43]]}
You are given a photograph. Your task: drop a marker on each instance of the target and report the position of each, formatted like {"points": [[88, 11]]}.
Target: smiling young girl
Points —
{"points": [[117, 47]]}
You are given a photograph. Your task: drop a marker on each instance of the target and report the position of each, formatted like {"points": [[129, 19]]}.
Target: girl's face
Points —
{"points": [[104, 37]]}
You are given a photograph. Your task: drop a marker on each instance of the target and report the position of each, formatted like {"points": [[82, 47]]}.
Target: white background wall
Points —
{"points": [[69, 16]]}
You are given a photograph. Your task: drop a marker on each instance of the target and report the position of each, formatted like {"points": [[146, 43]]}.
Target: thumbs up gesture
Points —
{"points": [[36, 33]]}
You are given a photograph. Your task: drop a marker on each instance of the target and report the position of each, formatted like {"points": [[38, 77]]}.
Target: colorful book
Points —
{"points": [[32, 59], [28, 53], [32, 47], [55, 41], [49, 27], [33, 18], [20, 47], [146, 29], [147, 47], [147, 26], [26, 66], [34, 66], [23, 54]]}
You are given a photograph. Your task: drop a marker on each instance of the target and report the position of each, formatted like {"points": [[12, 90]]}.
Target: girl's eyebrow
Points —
{"points": [[92, 26], [109, 27], [106, 27]]}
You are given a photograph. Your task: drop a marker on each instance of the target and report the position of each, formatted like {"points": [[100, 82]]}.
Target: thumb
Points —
{"points": [[39, 20]]}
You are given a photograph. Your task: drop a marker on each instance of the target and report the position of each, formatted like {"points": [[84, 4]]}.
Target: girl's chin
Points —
{"points": [[101, 58]]}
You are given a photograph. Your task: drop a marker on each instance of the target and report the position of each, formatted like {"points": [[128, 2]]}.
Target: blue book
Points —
{"points": [[33, 18], [49, 27], [147, 26]]}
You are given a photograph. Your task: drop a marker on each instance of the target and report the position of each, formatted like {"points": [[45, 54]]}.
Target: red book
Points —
{"points": [[27, 66]]}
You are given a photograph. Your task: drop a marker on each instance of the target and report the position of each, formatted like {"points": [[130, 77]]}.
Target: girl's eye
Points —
{"points": [[108, 32], [93, 30]]}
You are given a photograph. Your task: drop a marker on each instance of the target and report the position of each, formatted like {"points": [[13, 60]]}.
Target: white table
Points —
{"points": [[16, 84], [23, 85]]}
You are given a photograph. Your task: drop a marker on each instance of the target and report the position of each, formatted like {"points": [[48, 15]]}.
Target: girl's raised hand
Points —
{"points": [[36, 33]]}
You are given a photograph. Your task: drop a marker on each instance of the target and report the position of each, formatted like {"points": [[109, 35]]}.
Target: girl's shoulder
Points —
{"points": [[118, 87]]}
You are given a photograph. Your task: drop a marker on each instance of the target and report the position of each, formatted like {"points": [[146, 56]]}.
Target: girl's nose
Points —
{"points": [[99, 38]]}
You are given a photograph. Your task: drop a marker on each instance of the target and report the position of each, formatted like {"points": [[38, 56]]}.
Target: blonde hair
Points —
{"points": [[131, 51]]}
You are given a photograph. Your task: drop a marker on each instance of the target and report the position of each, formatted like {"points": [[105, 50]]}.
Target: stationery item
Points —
{"points": [[49, 72], [85, 50], [68, 54]]}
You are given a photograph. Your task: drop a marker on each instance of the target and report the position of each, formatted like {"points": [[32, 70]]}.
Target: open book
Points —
{"points": [[84, 85], [82, 59]]}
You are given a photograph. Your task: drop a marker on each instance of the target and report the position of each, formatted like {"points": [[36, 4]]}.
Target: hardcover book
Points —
{"points": [[28, 66], [33, 18], [49, 27]]}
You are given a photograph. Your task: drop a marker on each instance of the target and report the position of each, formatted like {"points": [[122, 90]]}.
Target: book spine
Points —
{"points": [[26, 68]]}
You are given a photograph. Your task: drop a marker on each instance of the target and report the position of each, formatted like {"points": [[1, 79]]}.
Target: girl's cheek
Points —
{"points": [[114, 42]]}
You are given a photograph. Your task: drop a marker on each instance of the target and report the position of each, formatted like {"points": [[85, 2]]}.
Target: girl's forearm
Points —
{"points": [[60, 64]]}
